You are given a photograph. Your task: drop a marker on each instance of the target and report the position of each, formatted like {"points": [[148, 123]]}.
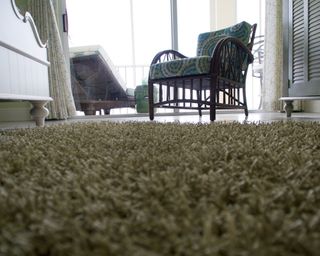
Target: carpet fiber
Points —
{"points": [[161, 189]]}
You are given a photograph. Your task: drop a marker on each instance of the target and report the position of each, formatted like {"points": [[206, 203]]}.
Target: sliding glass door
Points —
{"points": [[130, 31], [133, 31], [193, 19], [256, 14]]}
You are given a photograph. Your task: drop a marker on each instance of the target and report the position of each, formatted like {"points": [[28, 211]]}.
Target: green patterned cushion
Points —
{"points": [[207, 41], [181, 67]]}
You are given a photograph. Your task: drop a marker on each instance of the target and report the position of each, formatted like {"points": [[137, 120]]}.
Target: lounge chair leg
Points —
{"points": [[212, 109], [151, 113], [245, 102], [212, 100], [246, 111], [212, 115], [150, 96], [199, 104]]}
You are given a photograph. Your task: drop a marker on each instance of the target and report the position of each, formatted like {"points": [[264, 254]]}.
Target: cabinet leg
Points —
{"points": [[288, 107], [39, 112]]}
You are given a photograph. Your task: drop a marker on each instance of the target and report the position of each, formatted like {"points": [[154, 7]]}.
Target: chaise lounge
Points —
{"points": [[96, 83]]}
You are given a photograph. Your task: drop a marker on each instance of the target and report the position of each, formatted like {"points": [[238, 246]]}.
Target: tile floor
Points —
{"points": [[222, 116]]}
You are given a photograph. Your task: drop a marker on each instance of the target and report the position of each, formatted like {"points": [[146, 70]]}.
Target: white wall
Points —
{"points": [[312, 106], [15, 111], [223, 13]]}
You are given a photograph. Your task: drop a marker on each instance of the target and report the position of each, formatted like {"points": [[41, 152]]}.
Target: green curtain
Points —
{"points": [[22, 5], [44, 16]]}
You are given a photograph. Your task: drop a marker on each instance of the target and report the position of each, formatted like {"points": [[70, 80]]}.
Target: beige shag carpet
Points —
{"points": [[151, 189]]}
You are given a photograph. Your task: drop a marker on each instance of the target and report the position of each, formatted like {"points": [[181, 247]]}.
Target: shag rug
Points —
{"points": [[161, 189]]}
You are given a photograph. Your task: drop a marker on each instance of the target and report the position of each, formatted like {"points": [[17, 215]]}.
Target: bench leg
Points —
{"points": [[39, 112], [288, 107], [89, 109]]}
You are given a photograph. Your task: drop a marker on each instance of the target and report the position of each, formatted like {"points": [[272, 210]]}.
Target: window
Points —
{"points": [[255, 15], [130, 31], [193, 19], [133, 31]]}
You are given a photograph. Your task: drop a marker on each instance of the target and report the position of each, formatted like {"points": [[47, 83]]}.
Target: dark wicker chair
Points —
{"points": [[214, 79]]}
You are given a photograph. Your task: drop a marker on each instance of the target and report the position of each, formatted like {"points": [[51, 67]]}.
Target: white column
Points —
{"points": [[133, 45], [174, 25], [273, 62], [223, 13]]}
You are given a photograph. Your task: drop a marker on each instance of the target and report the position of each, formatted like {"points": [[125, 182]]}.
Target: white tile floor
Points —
{"points": [[222, 116]]}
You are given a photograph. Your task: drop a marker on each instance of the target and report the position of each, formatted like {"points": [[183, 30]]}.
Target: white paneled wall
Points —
{"points": [[21, 75]]}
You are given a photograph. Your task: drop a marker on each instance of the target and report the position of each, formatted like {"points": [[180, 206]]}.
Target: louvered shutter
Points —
{"points": [[314, 40], [304, 48], [297, 42]]}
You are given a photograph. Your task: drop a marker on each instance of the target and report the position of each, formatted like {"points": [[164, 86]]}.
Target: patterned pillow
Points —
{"points": [[208, 41]]}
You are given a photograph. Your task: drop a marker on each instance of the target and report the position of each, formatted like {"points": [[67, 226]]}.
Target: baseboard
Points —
{"points": [[15, 111]]}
